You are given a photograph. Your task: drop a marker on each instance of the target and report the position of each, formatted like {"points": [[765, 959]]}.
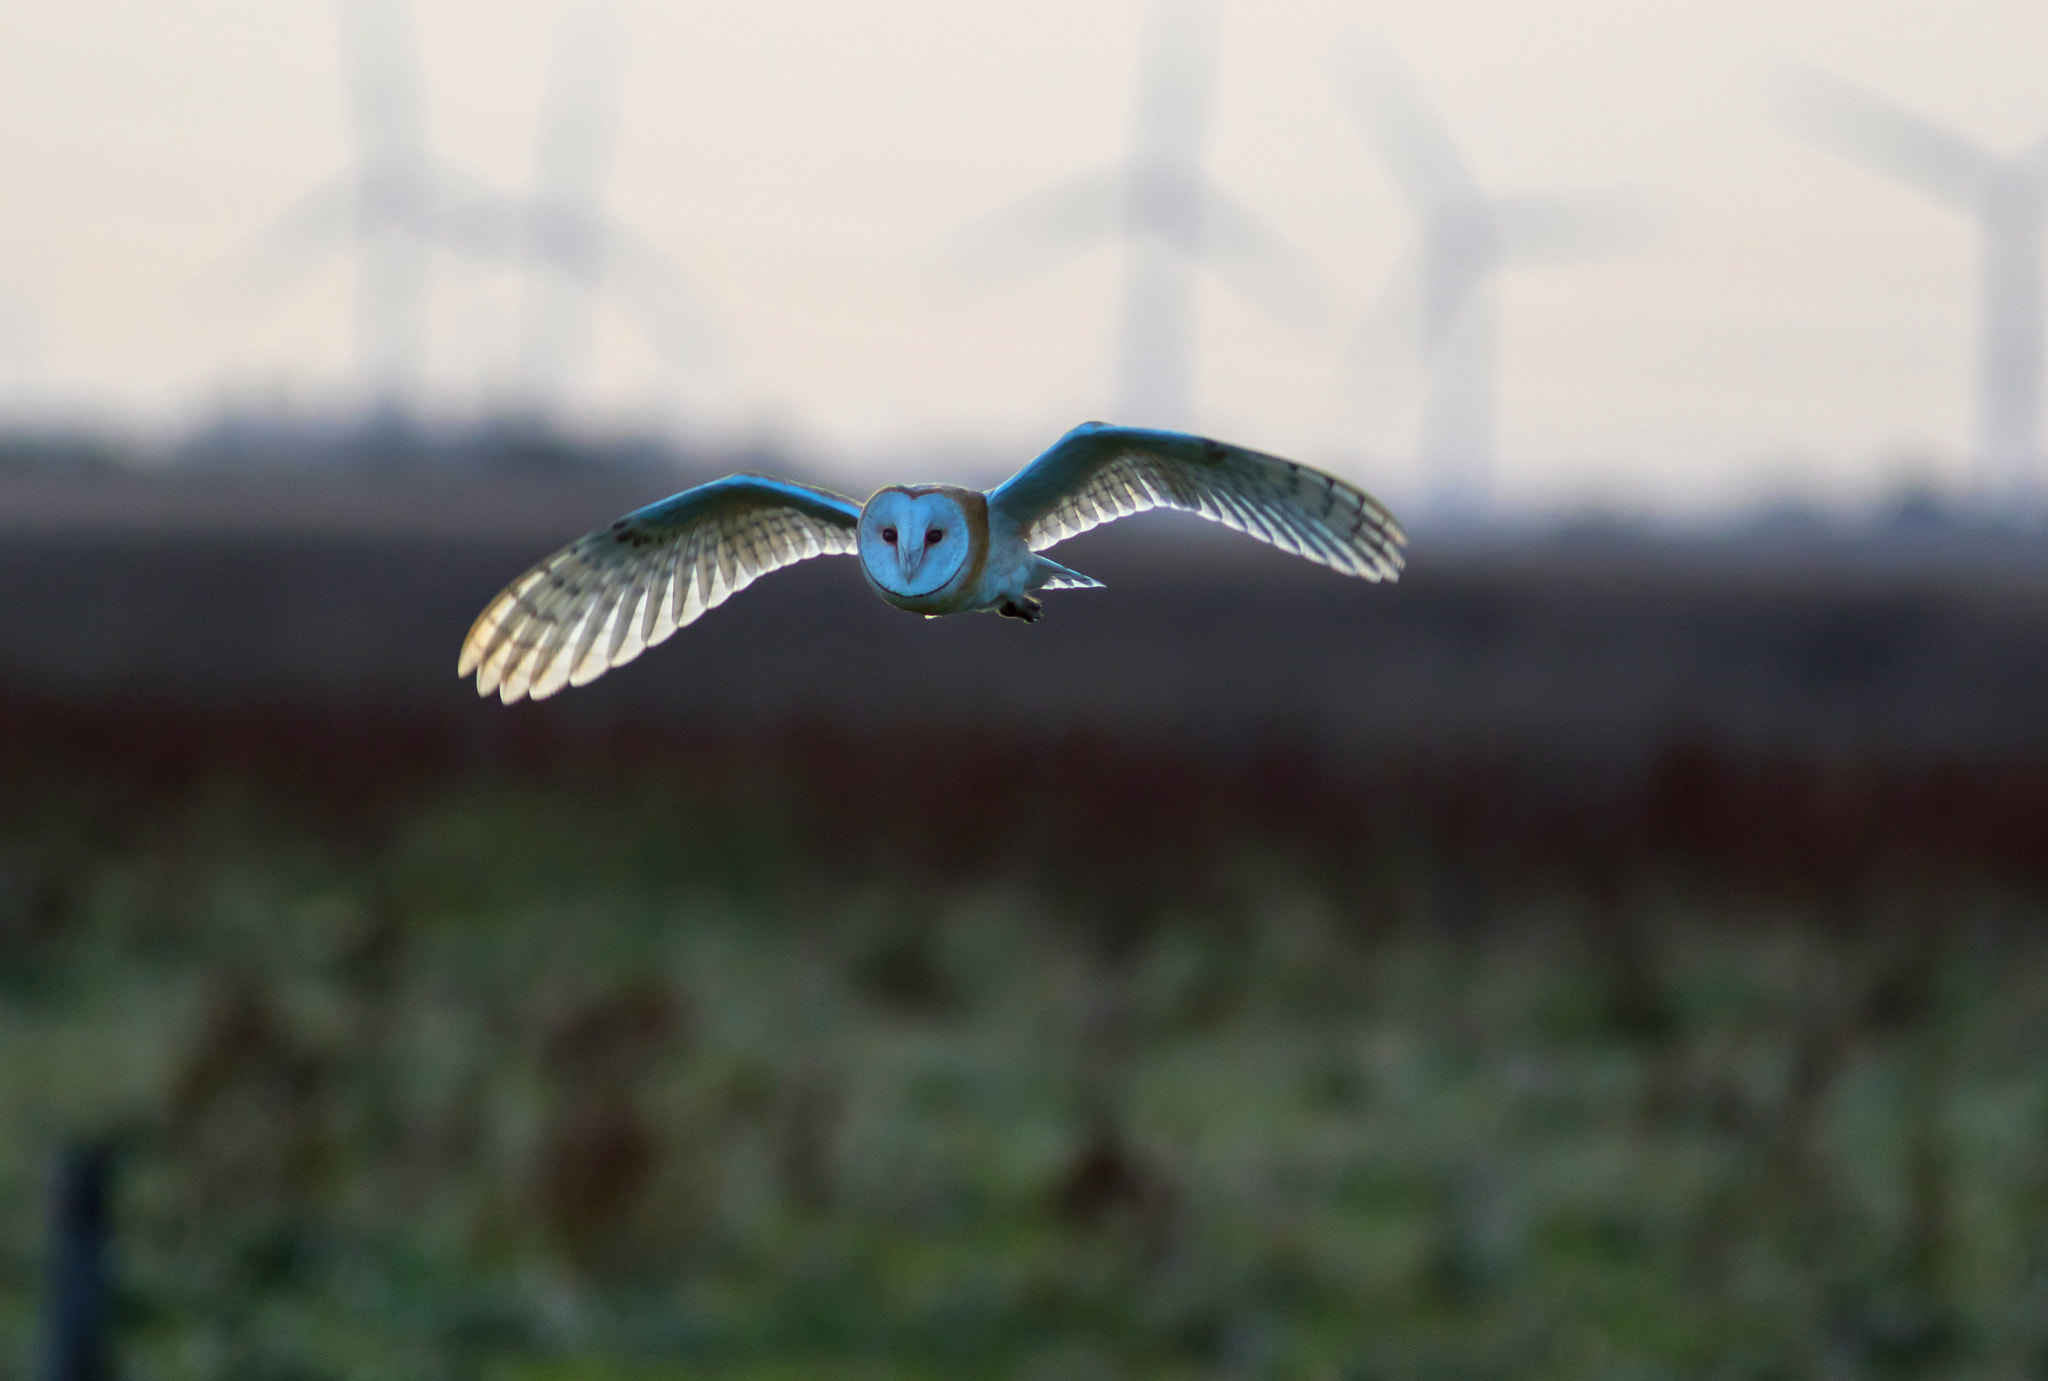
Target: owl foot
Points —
{"points": [[1026, 609]]}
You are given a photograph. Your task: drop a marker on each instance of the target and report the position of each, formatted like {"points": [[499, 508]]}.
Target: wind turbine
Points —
{"points": [[2008, 197], [385, 208], [1171, 217], [567, 247], [1449, 289], [398, 205]]}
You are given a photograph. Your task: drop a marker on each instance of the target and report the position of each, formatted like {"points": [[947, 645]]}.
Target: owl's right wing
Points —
{"points": [[607, 597]]}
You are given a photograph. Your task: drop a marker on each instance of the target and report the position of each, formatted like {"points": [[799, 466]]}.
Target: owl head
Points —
{"points": [[917, 541]]}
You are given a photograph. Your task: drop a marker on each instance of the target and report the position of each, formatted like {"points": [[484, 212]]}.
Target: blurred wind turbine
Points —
{"points": [[385, 208], [1447, 294], [399, 204], [1161, 203], [2008, 197], [568, 249]]}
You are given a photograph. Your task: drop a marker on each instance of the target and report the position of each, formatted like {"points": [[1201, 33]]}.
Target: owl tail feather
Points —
{"points": [[1051, 575]]}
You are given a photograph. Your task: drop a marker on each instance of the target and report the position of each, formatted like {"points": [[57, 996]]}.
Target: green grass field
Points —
{"points": [[808, 1055]]}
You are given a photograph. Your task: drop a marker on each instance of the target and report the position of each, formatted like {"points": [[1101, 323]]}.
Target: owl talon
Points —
{"points": [[1028, 610]]}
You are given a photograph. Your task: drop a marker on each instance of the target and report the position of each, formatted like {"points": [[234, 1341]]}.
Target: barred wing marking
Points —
{"points": [[1096, 473], [607, 597]]}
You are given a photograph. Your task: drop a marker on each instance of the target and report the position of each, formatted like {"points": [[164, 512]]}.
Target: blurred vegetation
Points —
{"points": [[530, 1051]]}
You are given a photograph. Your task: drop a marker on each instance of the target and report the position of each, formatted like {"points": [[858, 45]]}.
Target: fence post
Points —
{"points": [[77, 1342]]}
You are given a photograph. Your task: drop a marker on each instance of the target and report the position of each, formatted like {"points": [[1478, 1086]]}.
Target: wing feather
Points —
{"points": [[1097, 473], [590, 624], [609, 596]]}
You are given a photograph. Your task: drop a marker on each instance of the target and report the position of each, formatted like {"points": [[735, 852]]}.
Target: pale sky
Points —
{"points": [[1797, 327]]}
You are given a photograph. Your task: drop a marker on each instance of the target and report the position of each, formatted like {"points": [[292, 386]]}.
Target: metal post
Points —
{"points": [[77, 1343]]}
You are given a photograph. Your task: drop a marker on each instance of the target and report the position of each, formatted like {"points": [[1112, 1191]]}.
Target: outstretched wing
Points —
{"points": [[1098, 472], [605, 598]]}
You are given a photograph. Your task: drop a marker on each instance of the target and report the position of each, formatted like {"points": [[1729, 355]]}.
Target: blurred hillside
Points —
{"points": [[347, 587]]}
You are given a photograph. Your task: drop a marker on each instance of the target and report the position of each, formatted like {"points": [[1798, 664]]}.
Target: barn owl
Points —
{"points": [[929, 548]]}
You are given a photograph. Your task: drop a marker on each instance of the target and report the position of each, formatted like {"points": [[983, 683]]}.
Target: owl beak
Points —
{"points": [[910, 556]]}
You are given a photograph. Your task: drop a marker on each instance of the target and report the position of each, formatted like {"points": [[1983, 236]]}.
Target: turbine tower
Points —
{"points": [[1161, 203], [21, 351], [1163, 215], [396, 190], [571, 162], [2008, 198], [386, 207], [1449, 288]]}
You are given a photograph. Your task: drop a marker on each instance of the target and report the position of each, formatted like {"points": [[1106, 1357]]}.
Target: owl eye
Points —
{"points": [[934, 537], [889, 534]]}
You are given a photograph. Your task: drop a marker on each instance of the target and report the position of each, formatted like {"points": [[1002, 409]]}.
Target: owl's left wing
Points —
{"points": [[609, 596], [1096, 473]]}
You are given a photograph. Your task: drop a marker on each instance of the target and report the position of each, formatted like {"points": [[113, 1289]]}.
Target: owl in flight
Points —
{"points": [[930, 548]]}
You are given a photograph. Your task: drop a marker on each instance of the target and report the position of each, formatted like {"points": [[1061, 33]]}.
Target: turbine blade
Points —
{"points": [[1262, 264], [1042, 229], [1391, 323], [658, 297], [2036, 157], [1885, 138], [486, 224], [1566, 227], [1397, 118], [312, 231], [597, 255]]}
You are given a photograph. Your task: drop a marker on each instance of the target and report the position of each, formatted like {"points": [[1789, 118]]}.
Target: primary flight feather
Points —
{"points": [[931, 549]]}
